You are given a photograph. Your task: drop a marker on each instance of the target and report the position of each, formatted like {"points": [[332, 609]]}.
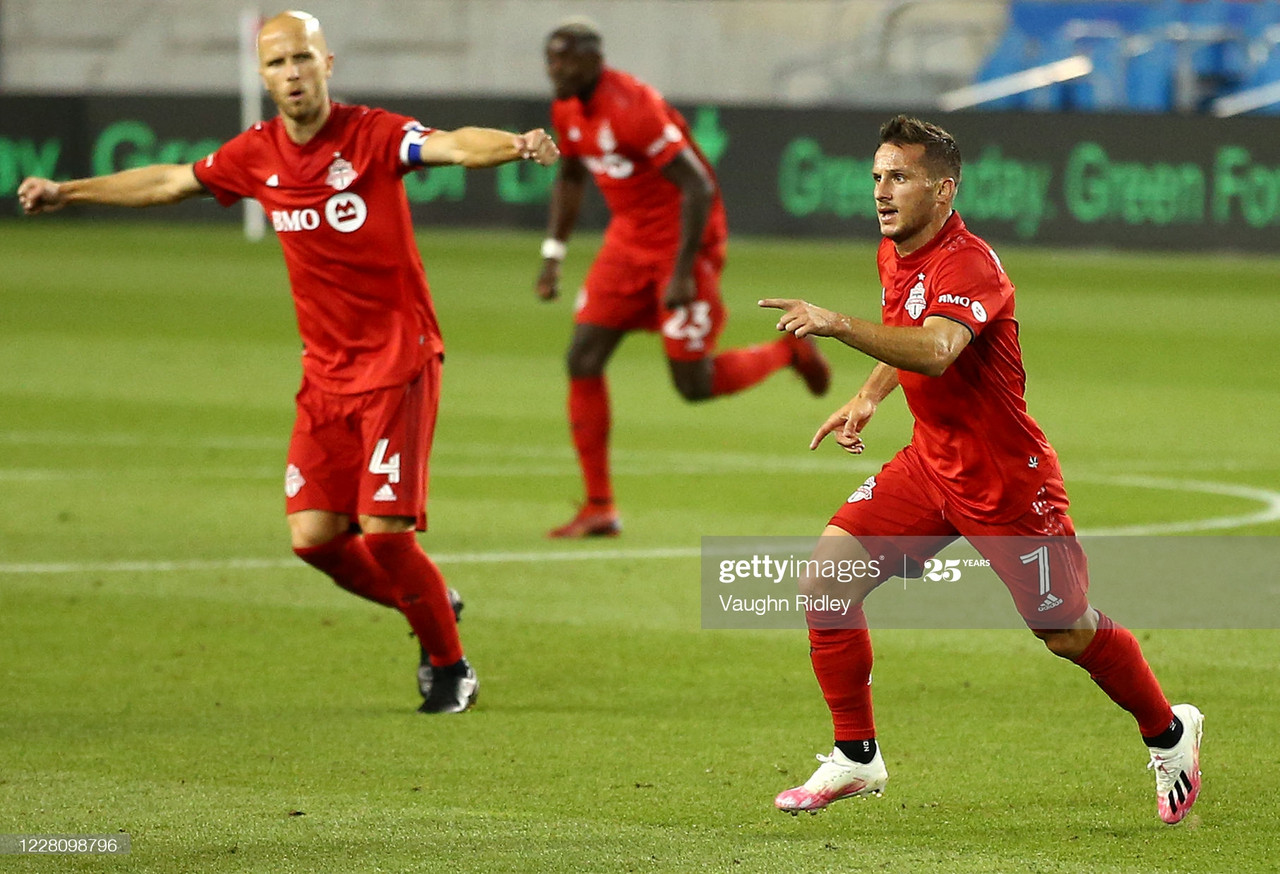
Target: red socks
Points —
{"points": [[423, 597], [1114, 661], [589, 414], [842, 663], [589, 420], [736, 369], [841, 660], [392, 570], [346, 558]]}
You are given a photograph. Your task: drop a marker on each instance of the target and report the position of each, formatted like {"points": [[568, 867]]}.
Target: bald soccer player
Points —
{"points": [[329, 176]]}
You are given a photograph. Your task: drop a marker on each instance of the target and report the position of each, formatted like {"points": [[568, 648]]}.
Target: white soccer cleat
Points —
{"points": [[837, 777], [1178, 769]]}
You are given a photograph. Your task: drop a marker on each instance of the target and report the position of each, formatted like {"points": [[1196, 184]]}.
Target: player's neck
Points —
{"points": [[924, 237], [302, 131], [585, 94]]}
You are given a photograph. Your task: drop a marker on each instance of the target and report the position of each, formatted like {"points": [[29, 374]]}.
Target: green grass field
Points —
{"points": [[169, 670]]}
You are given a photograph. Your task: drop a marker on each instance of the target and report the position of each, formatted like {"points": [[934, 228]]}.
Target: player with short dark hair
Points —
{"points": [[659, 268], [978, 466], [329, 176]]}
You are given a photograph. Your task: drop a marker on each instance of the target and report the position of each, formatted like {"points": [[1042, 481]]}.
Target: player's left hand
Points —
{"points": [[803, 318], [847, 424], [537, 145], [548, 285]]}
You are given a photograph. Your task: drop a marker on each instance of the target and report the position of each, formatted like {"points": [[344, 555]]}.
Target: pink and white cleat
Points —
{"points": [[837, 777], [1178, 769]]}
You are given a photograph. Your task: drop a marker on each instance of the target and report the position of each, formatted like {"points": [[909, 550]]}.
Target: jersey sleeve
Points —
{"points": [[399, 140], [648, 128], [971, 288], [225, 172]]}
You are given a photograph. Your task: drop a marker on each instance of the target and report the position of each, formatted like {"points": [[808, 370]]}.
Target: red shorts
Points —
{"points": [[626, 295], [899, 515], [364, 454]]}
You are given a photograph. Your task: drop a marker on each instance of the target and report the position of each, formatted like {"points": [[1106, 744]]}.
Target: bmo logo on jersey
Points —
{"points": [[975, 306], [345, 212], [613, 165], [286, 220]]}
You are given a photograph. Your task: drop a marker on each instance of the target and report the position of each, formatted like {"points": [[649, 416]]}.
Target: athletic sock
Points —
{"points": [[457, 669], [860, 751], [421, 594], [1114, 661], [348, 562], [589, 421], [1167, 739], [736, 369], [841, 660]]}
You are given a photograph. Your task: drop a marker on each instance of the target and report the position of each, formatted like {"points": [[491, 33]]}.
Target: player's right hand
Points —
{"points": [[548, 284], [847, 423], [39, 195]]}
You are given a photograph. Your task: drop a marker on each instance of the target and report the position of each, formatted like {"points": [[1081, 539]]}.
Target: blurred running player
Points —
{"points": [[329, 176], [978, 466], [659, 268]]}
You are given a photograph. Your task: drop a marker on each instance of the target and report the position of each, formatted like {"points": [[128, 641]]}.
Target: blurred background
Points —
{"points": [[1116, 123], [1148, 55]]}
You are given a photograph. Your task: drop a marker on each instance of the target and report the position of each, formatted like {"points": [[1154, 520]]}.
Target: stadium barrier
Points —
{"points": [[1115, 181]]}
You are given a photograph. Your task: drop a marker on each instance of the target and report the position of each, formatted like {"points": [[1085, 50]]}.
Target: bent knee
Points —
{"points": [[1066, 643], [312, 528], [585, 365]]}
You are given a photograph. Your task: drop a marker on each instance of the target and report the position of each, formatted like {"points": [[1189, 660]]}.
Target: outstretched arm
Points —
{"points": [[566, 203], [156, 185], [929, 348], [487, 147]]}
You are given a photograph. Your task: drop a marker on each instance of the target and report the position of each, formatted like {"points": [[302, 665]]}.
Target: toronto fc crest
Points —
{"points": [[915, 300], [605, 138], [341, 173]]}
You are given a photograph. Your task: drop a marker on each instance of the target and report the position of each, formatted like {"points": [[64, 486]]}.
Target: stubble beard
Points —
{"points": [[302, 113]]}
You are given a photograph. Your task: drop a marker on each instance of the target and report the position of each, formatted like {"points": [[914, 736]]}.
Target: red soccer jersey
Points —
{"points": [[339, 209], [972, 429], [626, 133]]}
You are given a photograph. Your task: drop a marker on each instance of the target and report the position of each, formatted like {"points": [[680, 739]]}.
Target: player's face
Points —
{"points": [[570, 71], [910, 205], [295, 66]]}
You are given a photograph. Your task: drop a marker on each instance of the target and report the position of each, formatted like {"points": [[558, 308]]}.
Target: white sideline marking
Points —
{"points": [[1269, 513], [633, 462]]}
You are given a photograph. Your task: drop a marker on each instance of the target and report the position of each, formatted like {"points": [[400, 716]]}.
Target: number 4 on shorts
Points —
{"points": [[380, 464]]}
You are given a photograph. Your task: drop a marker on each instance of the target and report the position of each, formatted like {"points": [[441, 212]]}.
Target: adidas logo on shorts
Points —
{"points": [[1050, 601]]}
